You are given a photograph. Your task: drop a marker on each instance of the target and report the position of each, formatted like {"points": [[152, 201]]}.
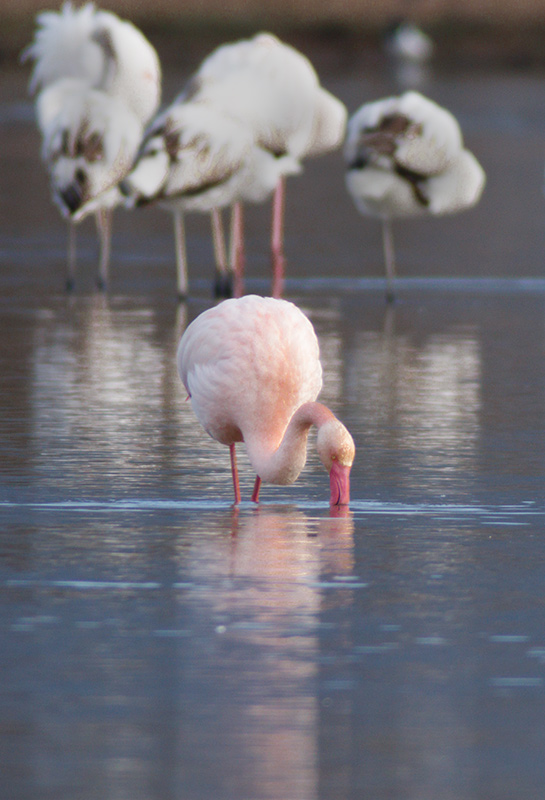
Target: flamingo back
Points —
{"points": [[99, 48], [64, 47], [193, 157], [248, 364], [329, 124], [409, 131], [265, 83]]}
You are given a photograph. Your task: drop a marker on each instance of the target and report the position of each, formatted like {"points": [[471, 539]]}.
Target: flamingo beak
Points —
{"points": [[339, 484]]}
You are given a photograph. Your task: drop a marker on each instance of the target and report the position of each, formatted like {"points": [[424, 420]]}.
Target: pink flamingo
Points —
{"points": [[251, 367]]}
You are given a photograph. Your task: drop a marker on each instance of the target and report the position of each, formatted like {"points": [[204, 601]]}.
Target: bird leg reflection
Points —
{"points": [[234, 472], [389, 258], [72, 236], [103, 218]]}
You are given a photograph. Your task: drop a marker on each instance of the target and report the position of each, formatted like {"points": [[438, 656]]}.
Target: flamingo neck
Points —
{"points": [[282, 465]]}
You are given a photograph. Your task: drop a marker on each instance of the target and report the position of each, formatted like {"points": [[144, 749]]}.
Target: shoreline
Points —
{"points": [[185, 38]]}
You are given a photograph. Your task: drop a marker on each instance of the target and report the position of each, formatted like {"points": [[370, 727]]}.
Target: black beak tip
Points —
{"points": [[360, 162], [71, 198], [124, 188]]}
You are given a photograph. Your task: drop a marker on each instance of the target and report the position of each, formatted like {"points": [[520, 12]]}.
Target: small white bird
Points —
{"points": [[274, 91], [251, 367], [98, 79], [405, 157], [406, 42]]}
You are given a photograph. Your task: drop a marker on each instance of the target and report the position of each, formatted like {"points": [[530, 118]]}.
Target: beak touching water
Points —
{"points": [[339, 483]]}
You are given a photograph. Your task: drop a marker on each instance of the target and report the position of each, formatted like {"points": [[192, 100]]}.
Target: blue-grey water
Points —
{"points": [[156, 642]]}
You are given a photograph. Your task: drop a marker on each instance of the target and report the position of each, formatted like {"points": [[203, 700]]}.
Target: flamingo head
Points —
{"points": [[147, 177], [337, 451]]}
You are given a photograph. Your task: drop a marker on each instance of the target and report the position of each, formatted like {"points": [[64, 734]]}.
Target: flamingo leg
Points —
{"points": [[237, 255], [181, 255], [71, 276], [222, 285], [234, 472], [277, 238], [389, 258], [103, 219], [257, 487]]}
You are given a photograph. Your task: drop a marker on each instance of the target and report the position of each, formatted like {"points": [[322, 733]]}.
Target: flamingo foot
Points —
{"points": [[223, 285]]}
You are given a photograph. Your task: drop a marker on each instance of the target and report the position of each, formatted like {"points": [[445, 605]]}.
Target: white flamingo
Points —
{"points": [[196, 158], [251, 367], [274, 91], [405, 157], [98, 83]]}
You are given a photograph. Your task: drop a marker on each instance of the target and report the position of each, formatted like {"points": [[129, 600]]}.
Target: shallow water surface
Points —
{"points": [[157, 642]]}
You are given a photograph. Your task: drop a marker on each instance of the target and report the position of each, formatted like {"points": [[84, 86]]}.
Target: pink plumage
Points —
{"points": [[252, 369]]}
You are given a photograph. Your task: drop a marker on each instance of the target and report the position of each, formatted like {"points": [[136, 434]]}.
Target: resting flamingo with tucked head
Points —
{"points": [[194, 157], [274, 91], [405, 157], [251, 367]]}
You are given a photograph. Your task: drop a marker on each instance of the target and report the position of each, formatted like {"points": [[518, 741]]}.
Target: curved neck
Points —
{"points": [[283, 464]]}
